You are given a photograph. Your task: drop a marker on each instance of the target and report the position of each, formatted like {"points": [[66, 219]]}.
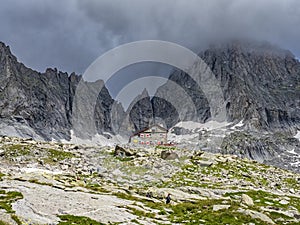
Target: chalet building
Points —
{"points": [[153, 135]]}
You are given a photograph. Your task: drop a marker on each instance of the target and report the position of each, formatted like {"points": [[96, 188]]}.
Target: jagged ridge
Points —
{"points": [[42, 101]]}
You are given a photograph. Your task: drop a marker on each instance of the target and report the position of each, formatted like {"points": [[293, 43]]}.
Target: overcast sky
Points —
{"points": [[71, 34]]}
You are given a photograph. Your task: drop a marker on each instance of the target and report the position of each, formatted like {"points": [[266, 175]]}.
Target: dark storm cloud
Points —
{"points": [[70, 34], [196, 23], [49, 33]]}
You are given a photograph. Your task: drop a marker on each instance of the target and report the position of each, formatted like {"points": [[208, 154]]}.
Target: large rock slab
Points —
{"points": [[256, 215], [246, 199], [41, 204]]}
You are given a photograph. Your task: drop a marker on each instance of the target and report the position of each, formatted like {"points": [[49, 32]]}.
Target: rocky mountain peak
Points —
{"points": [[5, 54], [259, 81], [4, 48], [51, 71], [140, 111], [6, 62], [40, 105], [263, 48], [145, 93]]}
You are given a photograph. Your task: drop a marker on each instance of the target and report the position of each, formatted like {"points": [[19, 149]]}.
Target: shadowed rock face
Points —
{"points": [[164, 112], [192, 91], [43, 101], [141, 111], [260, 85], [145, 111]]}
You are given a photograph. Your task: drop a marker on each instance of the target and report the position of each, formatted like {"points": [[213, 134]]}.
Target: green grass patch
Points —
{"points": [[80, 220], [6, 206], [49, 155], [126, 196], [3, 223], [96, 188], [264, 199], [192, 213], [16, 219], [57, 155], [158, 206], [276, 215], [201, 212], [124, 159], [6, 199], [35, 181], [292, 183], [16, 150], [260, 198], [141, 213], [1, 176], [221, 173], [295, 202], [165, 147], [135, 221], [14, 195]]}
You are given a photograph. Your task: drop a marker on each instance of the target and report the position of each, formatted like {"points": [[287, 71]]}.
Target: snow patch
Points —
{"points": [[239, 124], [195, 128], [210, 125], [292, 152], [295, 164], [98, 140], [185, 137], [297, 135]]}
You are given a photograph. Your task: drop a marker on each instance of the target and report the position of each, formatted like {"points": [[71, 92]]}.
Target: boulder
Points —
{"points": [[203, 163], [246, 199], [120, 151], [220, 207], [284, 202], [169, 155]]}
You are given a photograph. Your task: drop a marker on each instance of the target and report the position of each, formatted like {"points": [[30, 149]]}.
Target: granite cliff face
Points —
{"points": [[144, 111], [39, 105], [260, 85], [35, 99]]}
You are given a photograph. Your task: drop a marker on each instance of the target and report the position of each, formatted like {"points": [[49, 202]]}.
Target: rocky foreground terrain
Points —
{"points": [[54, 183]]}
